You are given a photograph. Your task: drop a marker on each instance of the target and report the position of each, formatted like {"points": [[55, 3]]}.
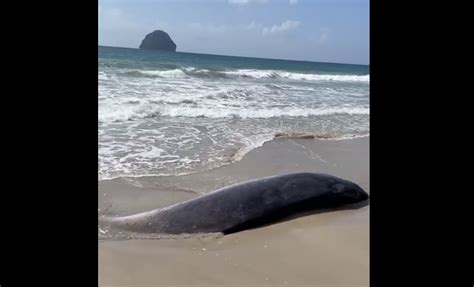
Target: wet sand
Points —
{"points": [[323, 249]]}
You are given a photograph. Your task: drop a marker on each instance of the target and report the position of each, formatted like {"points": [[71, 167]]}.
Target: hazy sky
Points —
{"points": [[313, 30]]}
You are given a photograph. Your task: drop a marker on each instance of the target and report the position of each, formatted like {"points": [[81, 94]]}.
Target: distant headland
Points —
{"points": [[158, 40]]}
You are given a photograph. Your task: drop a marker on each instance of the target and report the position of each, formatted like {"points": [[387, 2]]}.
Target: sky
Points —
{"points": [[335, 31]]}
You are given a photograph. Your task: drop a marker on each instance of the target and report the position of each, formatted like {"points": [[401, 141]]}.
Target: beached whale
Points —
{"points": [[244, 205]]}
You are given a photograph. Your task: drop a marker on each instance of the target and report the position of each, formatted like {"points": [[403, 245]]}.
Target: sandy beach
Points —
{"points": [[324, 249]]}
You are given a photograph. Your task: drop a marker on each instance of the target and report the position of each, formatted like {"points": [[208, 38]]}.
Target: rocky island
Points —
{"points": [[158, 40]]}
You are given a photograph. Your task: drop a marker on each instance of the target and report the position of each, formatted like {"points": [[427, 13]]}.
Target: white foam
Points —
{"points": [[349, 136], [103, 76], [253, 73], [146, 111], [315, 77], [176, 73], [127, 113], [153, 152], [251, 144], [192, 69], [261, 113], [258, 74]]}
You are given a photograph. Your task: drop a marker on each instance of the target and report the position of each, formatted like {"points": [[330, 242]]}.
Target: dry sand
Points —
{"points": [[325, 249]]}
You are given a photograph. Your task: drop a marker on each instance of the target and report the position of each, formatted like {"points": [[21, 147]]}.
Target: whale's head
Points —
{"points": [[320, 190], [349, 192]]}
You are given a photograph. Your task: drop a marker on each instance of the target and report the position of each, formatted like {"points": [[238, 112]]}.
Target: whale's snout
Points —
{"points": [[363, 195], [350, 192], [356, 193]]}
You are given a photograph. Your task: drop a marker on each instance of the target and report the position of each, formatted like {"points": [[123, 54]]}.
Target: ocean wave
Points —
{"points": [[146, 111], [259, 113], [245, 73], [258, 74], [174, 73], [103, 76]]}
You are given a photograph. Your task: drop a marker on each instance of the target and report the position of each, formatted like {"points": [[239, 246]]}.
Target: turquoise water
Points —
{"points": [[164, 113], [146, 59]]}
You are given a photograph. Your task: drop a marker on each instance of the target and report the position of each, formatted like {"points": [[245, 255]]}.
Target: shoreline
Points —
{"points": [[247, 149]]}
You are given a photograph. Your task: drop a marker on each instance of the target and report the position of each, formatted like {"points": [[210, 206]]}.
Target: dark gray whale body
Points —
{"points": [[245, 205]]}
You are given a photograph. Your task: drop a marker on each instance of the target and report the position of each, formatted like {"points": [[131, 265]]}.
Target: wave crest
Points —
{"points": [[147, 111], [246, 73], [259, 74]]}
